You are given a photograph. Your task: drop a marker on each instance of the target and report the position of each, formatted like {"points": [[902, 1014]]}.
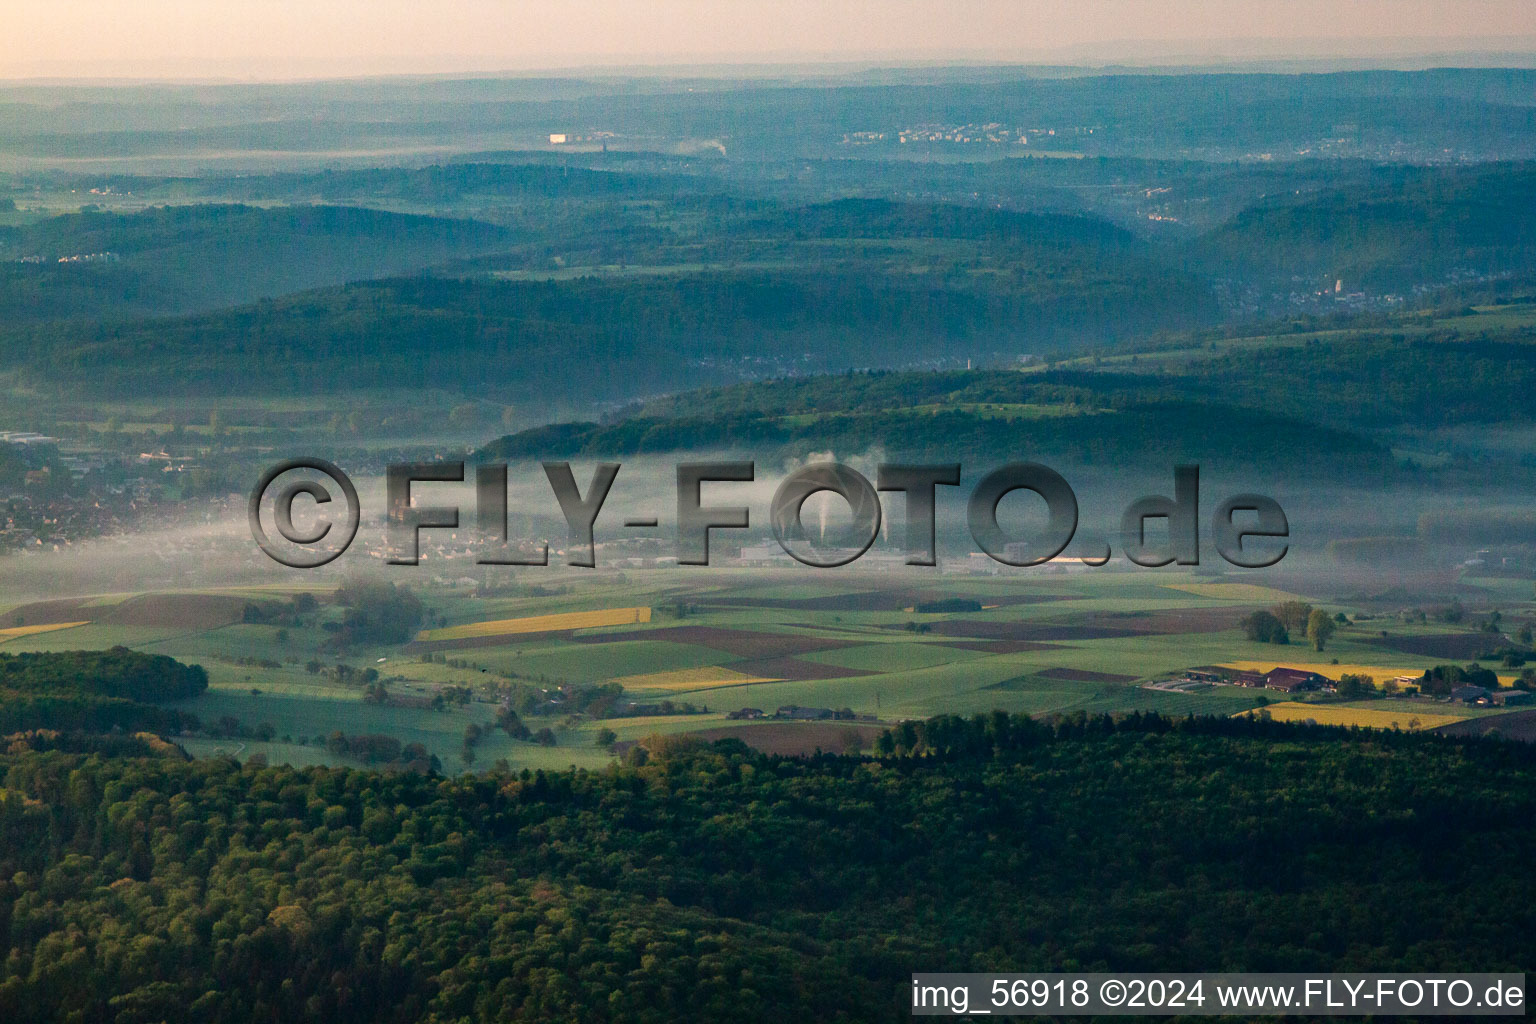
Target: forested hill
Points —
{"points": [[1323, 399], [1069, 416], [710, 883], [630, 336], [1142, 434], [1432, 224], [654, 283], [182, 258]]}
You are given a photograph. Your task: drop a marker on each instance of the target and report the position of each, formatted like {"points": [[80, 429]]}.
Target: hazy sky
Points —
{"points": [[301, 38]]}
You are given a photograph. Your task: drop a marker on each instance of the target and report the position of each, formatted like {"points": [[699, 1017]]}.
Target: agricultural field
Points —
{"points": [[13, 632], [688, 680], [1406, 717], [1236, 592], [682, 650], [559, 623]]}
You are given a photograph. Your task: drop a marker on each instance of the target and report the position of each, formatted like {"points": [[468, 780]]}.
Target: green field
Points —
{"points": [[1055, 644]]}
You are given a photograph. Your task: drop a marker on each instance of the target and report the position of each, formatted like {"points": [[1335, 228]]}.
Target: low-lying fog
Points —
{"points": [[1419, 567]]}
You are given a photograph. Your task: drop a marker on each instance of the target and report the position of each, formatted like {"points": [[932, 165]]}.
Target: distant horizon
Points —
{"points": [[1523, 58], [285, 40]]}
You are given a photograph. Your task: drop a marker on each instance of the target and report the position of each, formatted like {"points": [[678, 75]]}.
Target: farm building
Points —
{"points": [[1294, 680], [799, 713], [1510, 698], [1469, 694], [745, 713]]}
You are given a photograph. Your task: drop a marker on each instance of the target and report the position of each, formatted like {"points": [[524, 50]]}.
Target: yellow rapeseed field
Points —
{"points": [[1332, 714], [686, 679], [539, 624], [48, 627], [1234, 592]]}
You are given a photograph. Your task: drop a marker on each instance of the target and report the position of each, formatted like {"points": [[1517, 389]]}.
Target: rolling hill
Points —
{"points": [[632, 336], [175, 259], [1433, 225]]}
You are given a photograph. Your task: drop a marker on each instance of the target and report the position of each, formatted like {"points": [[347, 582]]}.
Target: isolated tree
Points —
{"points": [[508, 721], [1264, 628], [606, 738], [1319, 628], [1293, 614]]}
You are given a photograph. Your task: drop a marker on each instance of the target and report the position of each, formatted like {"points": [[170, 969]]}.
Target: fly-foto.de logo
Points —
{"points": [[330, 529]]}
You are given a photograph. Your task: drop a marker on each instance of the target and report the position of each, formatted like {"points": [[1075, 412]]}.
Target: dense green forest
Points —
{"points": [[711, 883], [94, 690]]}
